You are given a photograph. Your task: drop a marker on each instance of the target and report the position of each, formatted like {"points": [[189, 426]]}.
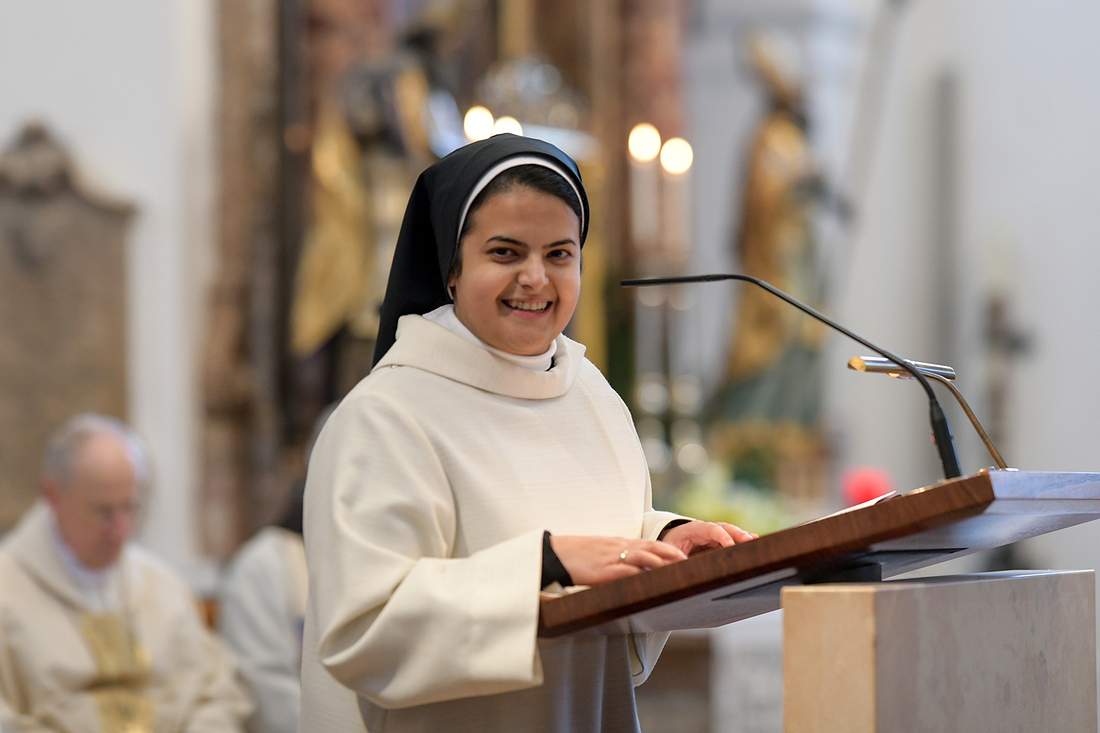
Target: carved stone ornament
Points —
{"points": [[62, 307]]}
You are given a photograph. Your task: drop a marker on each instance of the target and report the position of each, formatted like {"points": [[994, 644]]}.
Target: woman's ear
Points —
{"points": [[456, 269]]}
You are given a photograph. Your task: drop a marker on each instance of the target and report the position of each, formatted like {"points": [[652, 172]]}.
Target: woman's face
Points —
{"points": [[521, 271]]}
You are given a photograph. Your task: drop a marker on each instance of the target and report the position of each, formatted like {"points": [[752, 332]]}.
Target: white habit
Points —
{"points": [[260, 617], [65, 666], [428, 493]]}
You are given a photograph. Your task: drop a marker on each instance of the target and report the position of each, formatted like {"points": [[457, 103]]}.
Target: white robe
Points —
{"points": [[427, 496], [48, 671], [260, 617]]}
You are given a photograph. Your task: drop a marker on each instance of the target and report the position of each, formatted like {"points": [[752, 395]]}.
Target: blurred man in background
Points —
{"points": [[95, 634]]}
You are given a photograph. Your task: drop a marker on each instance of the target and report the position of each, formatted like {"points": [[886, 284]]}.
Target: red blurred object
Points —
{"points": [[865, 483]]}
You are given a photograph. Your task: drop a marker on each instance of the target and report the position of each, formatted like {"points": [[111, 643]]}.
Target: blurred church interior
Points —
{"points": [[199, 199]]}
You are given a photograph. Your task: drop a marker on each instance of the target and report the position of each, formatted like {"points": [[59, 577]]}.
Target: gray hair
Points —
{"points": [[65, 444]]}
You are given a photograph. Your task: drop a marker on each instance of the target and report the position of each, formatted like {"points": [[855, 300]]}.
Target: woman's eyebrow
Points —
{"points": [[506, 240], [518, 243]]}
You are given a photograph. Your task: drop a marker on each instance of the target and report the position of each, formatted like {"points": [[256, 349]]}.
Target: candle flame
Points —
{"points": [[676, 156], [478, 123], [507, 124], [644, 142]]}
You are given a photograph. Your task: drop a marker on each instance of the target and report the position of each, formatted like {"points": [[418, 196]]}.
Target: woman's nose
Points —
{"points": [[533, 273]]}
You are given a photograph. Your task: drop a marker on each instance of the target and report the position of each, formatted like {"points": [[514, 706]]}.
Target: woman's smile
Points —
{"points": [[528, 307]]}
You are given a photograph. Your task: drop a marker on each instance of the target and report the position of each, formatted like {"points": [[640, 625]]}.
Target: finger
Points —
{"points": [[716, 533], [703, 535], [645, 559], [616, 571], [650, 554], [738, 534], [664, 549]]}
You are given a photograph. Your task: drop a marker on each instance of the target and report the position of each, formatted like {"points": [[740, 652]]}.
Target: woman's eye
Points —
{"points": [[560, 254]]}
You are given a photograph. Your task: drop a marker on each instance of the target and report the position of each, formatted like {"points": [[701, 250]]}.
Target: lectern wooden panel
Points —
{"points": [[905, 532]]}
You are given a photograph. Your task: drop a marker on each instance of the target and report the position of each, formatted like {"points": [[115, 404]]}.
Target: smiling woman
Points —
{"points": [[484, 458], [518, 276]]}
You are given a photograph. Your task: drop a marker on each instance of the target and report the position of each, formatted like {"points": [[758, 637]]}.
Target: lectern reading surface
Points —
{"points": [[905, 532]]}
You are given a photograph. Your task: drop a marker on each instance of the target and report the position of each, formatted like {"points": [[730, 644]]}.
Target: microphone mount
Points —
{"points": [[941, 430], [940, 373]]}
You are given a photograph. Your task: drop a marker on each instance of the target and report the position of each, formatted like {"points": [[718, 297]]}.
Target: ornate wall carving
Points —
{"points": [[243, 423], [62, 307]]}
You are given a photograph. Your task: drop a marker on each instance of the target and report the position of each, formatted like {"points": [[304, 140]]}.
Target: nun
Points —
{"points": [[483, 459]]}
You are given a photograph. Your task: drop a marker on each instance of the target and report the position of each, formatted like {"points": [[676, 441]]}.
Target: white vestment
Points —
{"points": [[427, 496], [58, 674], [260, 617]]}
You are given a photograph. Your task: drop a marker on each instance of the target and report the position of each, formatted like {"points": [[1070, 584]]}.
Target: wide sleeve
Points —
{"points": [[222, 704], [206, 679], [654, 521], [197, 680], [12, 695], [256, 621], [12, 722], [399, 620]]}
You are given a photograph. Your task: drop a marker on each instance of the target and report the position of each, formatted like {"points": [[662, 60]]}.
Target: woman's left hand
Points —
{"points": [[697, 535]]}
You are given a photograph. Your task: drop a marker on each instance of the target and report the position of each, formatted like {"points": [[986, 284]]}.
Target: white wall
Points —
{"points": [[128, 87], [1028, 166]]}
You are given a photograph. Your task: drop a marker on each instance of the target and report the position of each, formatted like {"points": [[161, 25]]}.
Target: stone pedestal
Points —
{"points": [[990, 652]]}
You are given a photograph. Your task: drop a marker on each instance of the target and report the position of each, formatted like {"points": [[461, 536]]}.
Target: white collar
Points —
{"points": [[445, 316], [99, 588]]}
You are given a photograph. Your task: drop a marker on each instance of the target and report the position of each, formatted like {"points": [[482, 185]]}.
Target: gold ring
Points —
{"points": [[622, 555]]}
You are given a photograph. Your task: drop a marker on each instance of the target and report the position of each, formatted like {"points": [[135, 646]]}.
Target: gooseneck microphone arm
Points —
{"points": [[941, 430]]}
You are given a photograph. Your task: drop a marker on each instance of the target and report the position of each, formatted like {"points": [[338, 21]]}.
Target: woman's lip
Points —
{"points": [[512, 308]]}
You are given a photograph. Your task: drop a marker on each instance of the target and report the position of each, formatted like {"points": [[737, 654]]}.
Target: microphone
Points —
{"points": [[943, 375], [941, 430]]}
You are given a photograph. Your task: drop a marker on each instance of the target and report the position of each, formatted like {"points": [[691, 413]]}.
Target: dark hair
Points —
{"points": [[531, 175]]}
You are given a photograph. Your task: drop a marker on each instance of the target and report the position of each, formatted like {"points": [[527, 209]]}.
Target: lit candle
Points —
{"points": [[676, 159], [478, 123], [507, 124], [644, 145]]}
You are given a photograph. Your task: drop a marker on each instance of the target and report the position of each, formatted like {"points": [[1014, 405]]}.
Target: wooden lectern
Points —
{"points": [[863, 545]]}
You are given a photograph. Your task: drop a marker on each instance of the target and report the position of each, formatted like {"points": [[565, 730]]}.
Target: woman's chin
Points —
{"points": [[525, 346]]}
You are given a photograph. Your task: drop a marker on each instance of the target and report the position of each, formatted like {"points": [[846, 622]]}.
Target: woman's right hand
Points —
{"points": [[595, 560]]}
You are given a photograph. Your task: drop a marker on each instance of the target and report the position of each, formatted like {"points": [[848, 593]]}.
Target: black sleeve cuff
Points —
{"points": [[673, 523], [552, 569]]}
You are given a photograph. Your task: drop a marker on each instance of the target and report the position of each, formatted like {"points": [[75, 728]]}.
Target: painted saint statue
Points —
{"points": [[765, 418]]}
